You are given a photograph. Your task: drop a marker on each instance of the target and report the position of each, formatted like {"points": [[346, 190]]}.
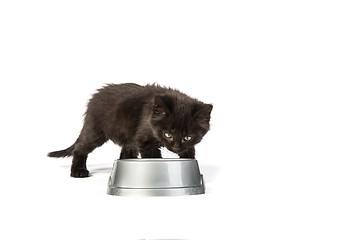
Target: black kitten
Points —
{"points": [[140, 119]]}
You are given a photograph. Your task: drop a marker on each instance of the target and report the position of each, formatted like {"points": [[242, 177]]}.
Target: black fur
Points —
{"points": [[140, 119]]}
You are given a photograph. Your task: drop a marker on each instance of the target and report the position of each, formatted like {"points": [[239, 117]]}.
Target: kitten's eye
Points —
{"points": [[168, 135], [187, 138]]}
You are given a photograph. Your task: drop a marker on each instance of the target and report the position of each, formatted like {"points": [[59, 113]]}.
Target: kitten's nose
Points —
{"points": [[176, 147]]}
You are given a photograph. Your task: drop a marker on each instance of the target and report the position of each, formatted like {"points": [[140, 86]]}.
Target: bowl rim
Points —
{"points": [[156, 159]]}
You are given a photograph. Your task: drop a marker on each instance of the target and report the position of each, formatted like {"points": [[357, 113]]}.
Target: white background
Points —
{"points": [[280, 162]]}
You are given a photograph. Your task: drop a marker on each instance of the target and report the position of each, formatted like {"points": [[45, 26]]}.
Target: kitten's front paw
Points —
{"points": [[79, 173]]}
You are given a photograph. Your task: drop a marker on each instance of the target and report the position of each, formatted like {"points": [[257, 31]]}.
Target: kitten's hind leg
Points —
{"points": [[78, 167], [86, 143], [128, 151]]}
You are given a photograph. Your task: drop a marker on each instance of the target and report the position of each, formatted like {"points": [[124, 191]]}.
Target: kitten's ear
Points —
{"points": [[162, 105], [202, 115]]}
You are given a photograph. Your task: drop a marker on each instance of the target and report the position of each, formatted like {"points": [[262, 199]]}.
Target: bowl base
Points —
{"points": [[178, 191]]}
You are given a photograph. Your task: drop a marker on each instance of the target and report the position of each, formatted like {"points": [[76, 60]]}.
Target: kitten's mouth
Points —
{"points": [[174, 150]]}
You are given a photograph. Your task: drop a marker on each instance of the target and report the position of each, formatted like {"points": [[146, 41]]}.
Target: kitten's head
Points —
{"points": [[179, 122]]}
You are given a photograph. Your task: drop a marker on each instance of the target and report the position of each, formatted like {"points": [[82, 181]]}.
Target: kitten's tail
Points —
{"points": [[62, 153]]}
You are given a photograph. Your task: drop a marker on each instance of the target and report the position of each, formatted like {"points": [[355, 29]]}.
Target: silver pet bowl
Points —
{"points": [[155, 177]]}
